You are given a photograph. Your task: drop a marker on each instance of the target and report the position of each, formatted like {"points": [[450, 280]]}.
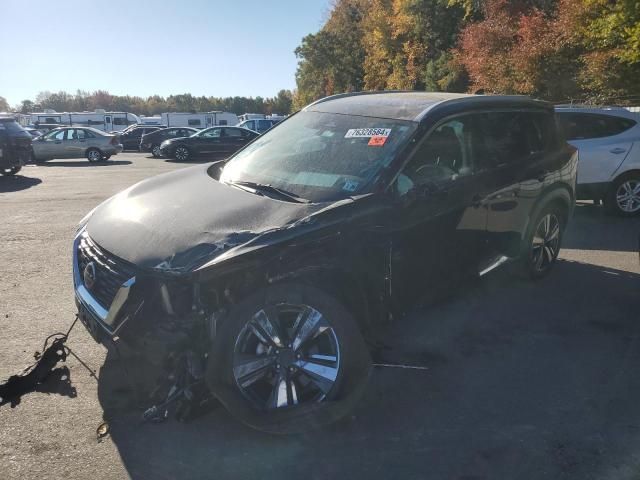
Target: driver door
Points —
{"points": [[52, 145], [440, 230], [209, 143]]}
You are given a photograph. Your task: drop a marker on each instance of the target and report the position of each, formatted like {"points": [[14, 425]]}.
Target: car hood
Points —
{"points": [[178, 221]]}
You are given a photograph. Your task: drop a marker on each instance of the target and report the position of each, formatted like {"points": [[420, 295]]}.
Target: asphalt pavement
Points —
{"points": [[521, 380]]}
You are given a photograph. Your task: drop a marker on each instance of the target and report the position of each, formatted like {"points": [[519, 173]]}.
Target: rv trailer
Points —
{"points": [[198, 120], [106, 121]]}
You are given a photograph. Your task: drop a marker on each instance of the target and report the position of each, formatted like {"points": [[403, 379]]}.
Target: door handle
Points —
{"points": [[618, 150]]}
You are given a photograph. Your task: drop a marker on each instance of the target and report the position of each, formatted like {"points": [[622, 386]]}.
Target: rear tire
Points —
{"points": [[182, 153], [155, 151], [94, 155], [272, 379], [543, 241], [623, 198]]}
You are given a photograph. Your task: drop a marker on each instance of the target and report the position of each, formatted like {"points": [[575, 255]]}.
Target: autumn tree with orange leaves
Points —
{"points": [[559, 50]]}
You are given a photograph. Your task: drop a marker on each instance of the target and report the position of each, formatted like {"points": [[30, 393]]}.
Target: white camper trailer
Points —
{"points": [[150, 120], [106, 121], [198, 120], [251, 116]]}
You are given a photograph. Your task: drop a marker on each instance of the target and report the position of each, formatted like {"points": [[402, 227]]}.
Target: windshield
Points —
{"points": [[321, 156]]}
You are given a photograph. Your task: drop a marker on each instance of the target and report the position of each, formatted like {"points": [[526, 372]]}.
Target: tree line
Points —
{"points": [[559, 50], [152, 105]]}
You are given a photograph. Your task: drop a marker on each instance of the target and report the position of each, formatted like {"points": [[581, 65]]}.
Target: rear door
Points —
{"points": [[232, 140], [601, 141], [518, 156], [54, 145]]}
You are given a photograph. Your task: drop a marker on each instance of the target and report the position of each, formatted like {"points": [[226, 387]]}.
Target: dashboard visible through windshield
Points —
{"points": [[320, 156]]}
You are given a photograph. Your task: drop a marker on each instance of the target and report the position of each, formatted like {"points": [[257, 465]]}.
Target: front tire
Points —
{"points": [[10, 171], [288, 358], [94, 155], [182, 153], [623, 197], [542, 244]]}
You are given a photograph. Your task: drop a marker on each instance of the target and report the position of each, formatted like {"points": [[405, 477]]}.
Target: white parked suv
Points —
{"points": [[608, 140]]}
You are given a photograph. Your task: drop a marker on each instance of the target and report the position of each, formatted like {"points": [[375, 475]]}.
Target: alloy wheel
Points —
{"points": [[156, 151], [94, 156], [182, 153], [628, 196], [286, 355], [546, 242]]}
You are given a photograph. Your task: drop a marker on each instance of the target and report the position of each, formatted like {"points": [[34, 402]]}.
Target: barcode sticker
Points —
{"points": [[367, 132]]}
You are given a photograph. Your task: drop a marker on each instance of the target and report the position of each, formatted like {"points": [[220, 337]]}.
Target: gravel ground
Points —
{"points": [[524, 380]]}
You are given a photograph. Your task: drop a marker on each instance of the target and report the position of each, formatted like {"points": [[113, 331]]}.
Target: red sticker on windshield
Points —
{"points": [[377, 141]]}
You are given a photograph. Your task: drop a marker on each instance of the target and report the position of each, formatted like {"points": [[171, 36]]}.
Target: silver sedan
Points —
{"points": [[76, 142]]}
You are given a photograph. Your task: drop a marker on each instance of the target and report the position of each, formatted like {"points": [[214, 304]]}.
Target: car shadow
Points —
{"points": [[83, 163], [594, 229], [17, 183], [517, 380]]}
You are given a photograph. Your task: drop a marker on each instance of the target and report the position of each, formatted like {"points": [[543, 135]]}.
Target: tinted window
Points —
{"points": [[232, 132], [222, 122], [264, 125], [50, 120], [89, 134], [580, 126], [120, 121], [194, 122], [508, 137], [213, 133]]}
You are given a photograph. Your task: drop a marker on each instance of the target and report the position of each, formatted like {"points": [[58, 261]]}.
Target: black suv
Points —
{"points": [[266, 272], [130, 138], [15, 146], [150, 142]]}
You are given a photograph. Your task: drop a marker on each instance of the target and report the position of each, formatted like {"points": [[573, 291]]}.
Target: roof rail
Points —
{"points": [[586, 106]]}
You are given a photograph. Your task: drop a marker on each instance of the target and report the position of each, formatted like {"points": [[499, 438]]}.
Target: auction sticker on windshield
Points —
{"points": [[367, 132]]}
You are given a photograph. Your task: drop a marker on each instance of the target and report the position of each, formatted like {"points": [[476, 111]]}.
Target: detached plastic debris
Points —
{"points": [[34, 375]]}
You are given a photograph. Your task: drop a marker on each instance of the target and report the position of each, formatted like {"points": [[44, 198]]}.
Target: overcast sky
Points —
{"points": [[214, 47]]}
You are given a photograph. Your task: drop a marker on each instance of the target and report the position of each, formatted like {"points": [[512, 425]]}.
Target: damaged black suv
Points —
{"points": [[268, 270]]}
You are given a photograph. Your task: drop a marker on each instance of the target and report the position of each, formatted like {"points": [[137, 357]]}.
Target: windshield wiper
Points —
{"points": [[265, 187]]}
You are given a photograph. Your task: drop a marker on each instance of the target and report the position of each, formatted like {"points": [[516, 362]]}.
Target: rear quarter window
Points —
{"points": [[584, 126]]}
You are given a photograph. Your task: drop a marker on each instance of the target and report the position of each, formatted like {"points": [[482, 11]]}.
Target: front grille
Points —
{"points": [[111, 271]]}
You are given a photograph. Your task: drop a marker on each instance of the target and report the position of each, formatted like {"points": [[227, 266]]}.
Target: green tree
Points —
{"points": [[4, 105], [331, 61]]}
